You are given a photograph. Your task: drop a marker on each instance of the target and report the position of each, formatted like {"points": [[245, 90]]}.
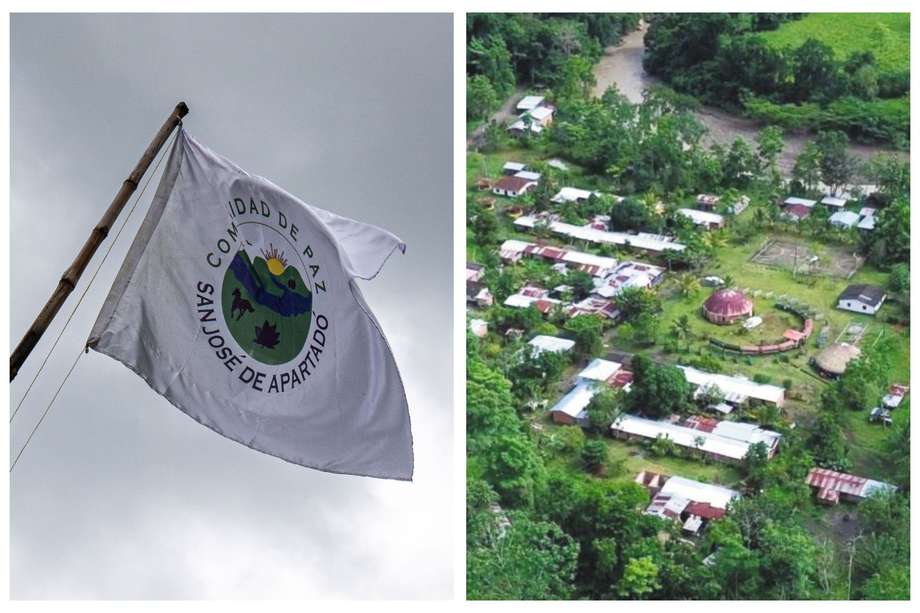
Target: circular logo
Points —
{"points": [[266, 303]]}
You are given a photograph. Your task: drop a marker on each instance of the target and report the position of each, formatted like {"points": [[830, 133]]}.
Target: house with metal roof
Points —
{"points": [[796, 212], [866, 299], [534, 120], [573, 194], [528, 175], [690, 502], [867, 221], [736, 390], [844, 219], [572, 408], [723, 441], [478, 294], [644, 241], [512, 168], [512, 186], [831, 486], [707, 202], [512, 250], [628, 275], [833, 202], [710, 221], [553, 344], [528, 103], [795, 201], [531, 295]]}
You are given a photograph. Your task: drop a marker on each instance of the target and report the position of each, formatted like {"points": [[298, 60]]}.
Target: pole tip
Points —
{"points": [[182, 109]]}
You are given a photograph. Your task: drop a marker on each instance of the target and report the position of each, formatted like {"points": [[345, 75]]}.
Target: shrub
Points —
{"points": [[594, 455], [761, 378]]}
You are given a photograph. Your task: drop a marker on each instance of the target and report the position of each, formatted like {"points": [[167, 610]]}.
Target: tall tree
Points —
{"points": [[837, 165], [658, 390], [534, 560]]}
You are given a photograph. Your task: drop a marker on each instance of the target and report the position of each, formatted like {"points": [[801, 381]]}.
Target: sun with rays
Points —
{"points": [[274, 259]]}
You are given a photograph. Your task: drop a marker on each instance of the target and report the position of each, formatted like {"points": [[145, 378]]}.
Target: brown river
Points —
{"points": [[621, 66]]}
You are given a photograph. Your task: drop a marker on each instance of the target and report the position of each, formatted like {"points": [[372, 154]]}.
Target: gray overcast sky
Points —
{"points": [[120, 495]]}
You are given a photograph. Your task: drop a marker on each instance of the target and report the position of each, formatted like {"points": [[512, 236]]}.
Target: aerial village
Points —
{"points": [[699, 346]]}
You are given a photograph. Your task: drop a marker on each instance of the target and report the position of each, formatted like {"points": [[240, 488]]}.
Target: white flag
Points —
{"points": [[237, 302]]}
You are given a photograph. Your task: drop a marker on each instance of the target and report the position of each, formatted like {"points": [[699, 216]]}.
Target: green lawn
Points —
{"points": [[886, 35]]}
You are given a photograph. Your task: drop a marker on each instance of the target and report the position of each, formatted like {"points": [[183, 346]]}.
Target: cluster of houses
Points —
{"points": [[711, 202], [610, 278], [734, 390], [691, 503], [535, 114], [517, 179], [572, 408], [720, 441], [705, 215], [476, 291], [724, 441], [796, 209]]}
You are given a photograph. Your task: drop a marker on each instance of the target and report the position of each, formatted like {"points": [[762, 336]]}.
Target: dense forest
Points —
{"points": [[555, 51], [726, 61], [550, 513]]}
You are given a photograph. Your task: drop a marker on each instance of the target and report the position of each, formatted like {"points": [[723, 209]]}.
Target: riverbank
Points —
{"points": [[621, 66]]}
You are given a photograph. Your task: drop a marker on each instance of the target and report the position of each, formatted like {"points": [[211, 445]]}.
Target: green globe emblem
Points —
{"points": [[267, 305]]}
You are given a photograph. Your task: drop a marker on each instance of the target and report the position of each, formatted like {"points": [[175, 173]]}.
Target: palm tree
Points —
{"points": [[688, 284], [680, 329], [713, 240], [729, 281]]}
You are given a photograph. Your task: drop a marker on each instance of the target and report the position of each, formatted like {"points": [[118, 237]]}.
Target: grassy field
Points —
{"points": [[886, 35]]}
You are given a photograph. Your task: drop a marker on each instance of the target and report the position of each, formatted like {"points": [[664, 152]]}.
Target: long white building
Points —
{"points": [[736, 389], [643, 240], [725, 441]]}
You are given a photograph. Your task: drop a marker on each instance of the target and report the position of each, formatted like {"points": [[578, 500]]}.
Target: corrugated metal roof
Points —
{"points": [[649, 242], [529, 102], [574, 403], [551, 343], [702, 217], [741, 386], [724, 443], [793, 200], [599, 370]]}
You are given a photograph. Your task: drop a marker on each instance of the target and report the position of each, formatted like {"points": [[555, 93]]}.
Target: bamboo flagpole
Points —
{"points": [[72, 275]]}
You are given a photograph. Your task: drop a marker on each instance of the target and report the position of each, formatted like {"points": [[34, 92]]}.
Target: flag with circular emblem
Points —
{"points": [[239, 304]]}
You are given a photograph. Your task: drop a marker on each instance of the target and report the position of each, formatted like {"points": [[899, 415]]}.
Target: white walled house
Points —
{"points": [[866, 299], [512, 186]]}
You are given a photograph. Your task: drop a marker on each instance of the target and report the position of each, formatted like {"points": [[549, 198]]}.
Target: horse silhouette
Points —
{"points": [[240, 304], [288, 304]]}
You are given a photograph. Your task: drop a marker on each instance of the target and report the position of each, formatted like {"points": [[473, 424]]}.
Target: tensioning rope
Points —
{"points": [[105, 255]]}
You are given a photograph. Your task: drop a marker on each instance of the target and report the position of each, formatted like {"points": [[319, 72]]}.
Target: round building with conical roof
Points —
{"points": [[832, 361], [726, 306]]}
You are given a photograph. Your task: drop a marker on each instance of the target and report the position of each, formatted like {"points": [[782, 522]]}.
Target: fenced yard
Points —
{"points": [[799, 258]]}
